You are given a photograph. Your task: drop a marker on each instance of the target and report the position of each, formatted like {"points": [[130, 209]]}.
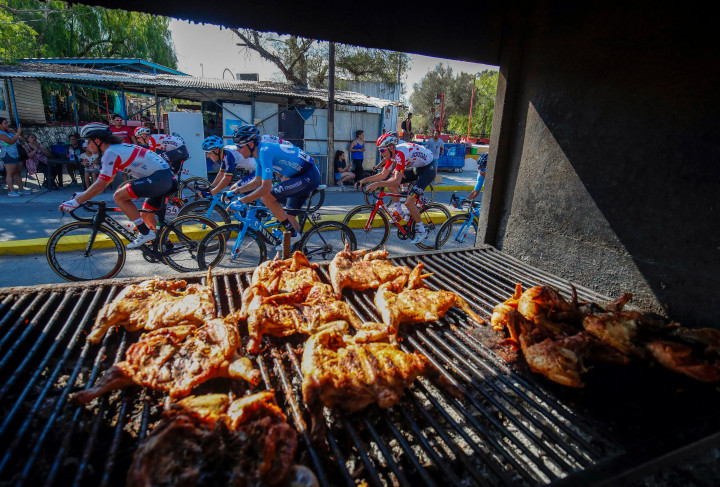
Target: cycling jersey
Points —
{"points": [[134, 160], [274, 140], [409, 155], [232, 159], [284, 159]]}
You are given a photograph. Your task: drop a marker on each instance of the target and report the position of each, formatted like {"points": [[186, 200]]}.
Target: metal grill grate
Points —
{"points": [[506, 430]]}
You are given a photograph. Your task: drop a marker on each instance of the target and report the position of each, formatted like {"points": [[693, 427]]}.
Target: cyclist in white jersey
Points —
{"points": [[404, 156], [154, 179]]}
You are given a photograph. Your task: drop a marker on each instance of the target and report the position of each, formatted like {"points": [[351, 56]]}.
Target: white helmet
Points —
{"points": [[172, 142]]}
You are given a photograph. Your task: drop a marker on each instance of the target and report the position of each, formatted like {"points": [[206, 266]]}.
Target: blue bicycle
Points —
{"points": [[245, 243], [459, 232]]}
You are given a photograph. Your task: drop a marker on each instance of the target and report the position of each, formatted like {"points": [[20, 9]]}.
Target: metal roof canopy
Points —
{"points": [[119, 64], [184, 87]]}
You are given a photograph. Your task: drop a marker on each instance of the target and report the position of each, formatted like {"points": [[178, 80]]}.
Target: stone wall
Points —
{"points": [[50, 134]]}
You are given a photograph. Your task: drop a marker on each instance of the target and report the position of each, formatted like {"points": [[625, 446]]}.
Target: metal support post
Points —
{"points": [[75, 109], [331, 115]]}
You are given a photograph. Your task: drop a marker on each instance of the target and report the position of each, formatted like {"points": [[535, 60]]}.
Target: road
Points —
{"points": [[36, 216]]}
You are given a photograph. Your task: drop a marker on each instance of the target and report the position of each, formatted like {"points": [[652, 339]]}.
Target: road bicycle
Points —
{"points": [[92, 248], [459, 232], [245, 243], [409, 177], [371, 223]]}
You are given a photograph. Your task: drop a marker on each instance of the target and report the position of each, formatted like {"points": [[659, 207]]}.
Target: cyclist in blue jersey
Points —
{"points": [[300, 176], [481, 167], [229, 158]]}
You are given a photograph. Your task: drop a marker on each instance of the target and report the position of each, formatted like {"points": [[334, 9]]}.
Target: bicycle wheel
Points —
{"points": [[188, 187], [216, 248], [430, 193], [457, 233], [73, 257], [180, 239], [372, 236], [433, 216], [326, 239], [200, 208], [316, 201]]}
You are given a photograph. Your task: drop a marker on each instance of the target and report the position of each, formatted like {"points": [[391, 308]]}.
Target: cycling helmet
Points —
{"points": [[212, 142], [482, 162], [246, 134], [94, 130], [142, 131], [386, 140], [172, 142]]}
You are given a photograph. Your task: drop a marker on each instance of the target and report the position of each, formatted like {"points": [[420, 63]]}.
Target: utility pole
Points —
{"points": [[331, 113], [472, 98]]}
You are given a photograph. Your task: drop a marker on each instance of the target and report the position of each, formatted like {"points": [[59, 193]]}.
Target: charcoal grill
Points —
{"points": [[510, 428]]}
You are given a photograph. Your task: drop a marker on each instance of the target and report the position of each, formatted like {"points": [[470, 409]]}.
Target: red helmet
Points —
{"points": [[386, 140]]}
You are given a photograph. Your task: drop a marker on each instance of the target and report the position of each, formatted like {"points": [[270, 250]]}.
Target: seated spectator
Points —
{"points": [[38, 155], [91, 164], [342, 170]]}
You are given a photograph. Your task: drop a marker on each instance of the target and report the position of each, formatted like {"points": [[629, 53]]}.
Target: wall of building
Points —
{"points": [[29, 101], [607, 165]]}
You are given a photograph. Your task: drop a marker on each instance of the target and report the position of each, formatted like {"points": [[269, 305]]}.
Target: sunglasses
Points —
{"points": [[382, 150]]}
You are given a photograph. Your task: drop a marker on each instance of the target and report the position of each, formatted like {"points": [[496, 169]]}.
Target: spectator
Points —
{"points": [[436, 123], [357, 150], [121, 130], [74, 150], [91, 164], [11, 157], [342, 171], [37, 159], [212, 129], [407, 128], [436, 145]]}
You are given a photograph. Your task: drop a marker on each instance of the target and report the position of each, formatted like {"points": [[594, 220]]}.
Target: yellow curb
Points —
{"points": [[454, 188]]}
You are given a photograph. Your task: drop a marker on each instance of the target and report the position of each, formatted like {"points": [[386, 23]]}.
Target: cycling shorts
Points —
{"points": [[425, 176], [296, 189], [153, 188]]}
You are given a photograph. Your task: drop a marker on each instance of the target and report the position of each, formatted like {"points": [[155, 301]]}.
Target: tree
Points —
{"points": [[304, 62], [54, 29], [457, 91]]}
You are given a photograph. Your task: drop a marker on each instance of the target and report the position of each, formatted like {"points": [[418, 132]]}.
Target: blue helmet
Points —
{"points": [[246, 134], [482, 162], [212, 142]]}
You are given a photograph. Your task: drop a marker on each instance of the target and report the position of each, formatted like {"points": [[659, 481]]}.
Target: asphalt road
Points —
{"points": [[37, 216]]}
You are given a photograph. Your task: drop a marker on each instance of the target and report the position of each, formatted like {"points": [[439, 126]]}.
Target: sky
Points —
{"points": [[207, 50]]}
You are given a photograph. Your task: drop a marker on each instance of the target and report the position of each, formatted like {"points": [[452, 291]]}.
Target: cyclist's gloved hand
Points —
{"points": [[227, 196], [206, 194], [70, 205]]}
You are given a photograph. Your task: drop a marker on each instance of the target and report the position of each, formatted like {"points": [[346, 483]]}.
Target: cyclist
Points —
{"points": [[142, 135], [300, 176], [251, 173], [173, 149], [153, 180], [481, 167], [229, 157], [404, 156]]}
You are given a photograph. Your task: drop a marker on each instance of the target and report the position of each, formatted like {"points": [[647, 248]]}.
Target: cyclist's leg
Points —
{"points": [[297, 188], [153, 187], [425, 175]]}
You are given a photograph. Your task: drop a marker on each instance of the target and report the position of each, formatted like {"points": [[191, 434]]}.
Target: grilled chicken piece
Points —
{"points": [[618, 329], [498, 320], [303, 311], [210, 441], [416, 303], [176, 359], [545, 304], [559, 359], [156, 304], [680, 358], [360, 270], [709, 337], [339, 372]]}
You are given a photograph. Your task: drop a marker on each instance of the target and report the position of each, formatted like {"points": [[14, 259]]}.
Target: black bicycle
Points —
{"points": [[92, 248]]}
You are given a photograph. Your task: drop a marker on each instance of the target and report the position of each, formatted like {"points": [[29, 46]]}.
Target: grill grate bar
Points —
{"points": [[23, 319], [362, 451], [515, 421], [112, 452], [408, 450], [386, 453], [19, 304]]}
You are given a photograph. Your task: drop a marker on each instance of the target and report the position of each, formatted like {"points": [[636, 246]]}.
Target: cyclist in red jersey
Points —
{"points": [[154, 178]]}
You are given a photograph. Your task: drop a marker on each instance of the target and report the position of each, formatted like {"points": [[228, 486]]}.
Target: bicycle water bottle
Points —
{"points": [[396, 217]]}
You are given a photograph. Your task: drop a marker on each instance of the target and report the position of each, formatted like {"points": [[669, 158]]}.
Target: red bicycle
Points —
{"points": [[371, 223]]}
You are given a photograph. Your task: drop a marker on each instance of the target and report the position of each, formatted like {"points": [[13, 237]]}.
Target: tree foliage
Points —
{"points": [[55, 29], [457, 90], [304, 62]]}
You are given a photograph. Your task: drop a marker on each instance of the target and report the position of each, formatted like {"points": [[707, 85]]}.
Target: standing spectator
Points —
{"points": [[407, 128], [212, 129], [91, 164], [11, 158], [436, 145], [122, 130], [436, 123], [74, 150], [357, 149], [342, 171]]}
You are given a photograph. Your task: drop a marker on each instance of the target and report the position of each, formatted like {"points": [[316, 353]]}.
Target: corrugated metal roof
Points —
{"points": [[120, 64], [185, 87]]}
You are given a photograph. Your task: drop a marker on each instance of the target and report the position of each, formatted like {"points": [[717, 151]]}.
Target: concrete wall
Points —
{"points": [[605, 152]]}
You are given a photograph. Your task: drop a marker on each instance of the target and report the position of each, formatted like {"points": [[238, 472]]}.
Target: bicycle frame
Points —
{"points": [[473, 212], [380, 205]]}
